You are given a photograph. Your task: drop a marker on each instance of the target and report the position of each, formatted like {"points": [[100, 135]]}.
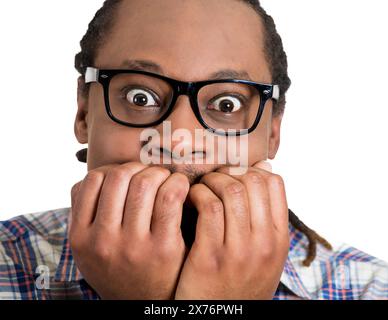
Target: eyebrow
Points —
{"points": [[148, 65]]}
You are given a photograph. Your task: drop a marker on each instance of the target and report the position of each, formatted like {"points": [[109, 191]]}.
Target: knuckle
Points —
{"points": [[101, 250], [118, 173], [176, 191], [94, 177], [255, 178], [267, 251], [133, 256], [75, 189], [141, 183], [214, 206], [162, 171], [234, 188], [166, 251], [276, 180], [206, 260], [172, 196], [242, 261], [240, 258], [180, 179]]}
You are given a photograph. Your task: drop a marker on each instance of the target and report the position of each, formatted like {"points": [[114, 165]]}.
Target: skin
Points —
{"points": [[125, 223]]}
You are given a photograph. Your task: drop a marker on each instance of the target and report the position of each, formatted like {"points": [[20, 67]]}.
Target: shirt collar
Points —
{"points": [[292, 280], [291, 277]]}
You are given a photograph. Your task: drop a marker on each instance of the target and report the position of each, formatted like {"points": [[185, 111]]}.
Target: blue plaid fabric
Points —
{"points": [[36, 263]]}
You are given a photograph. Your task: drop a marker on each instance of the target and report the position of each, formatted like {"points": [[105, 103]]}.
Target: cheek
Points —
{"points": [[108, 141], [258, 140], [258, 143], [115, 144]]}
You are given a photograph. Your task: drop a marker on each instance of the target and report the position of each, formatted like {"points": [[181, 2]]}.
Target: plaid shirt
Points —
{"points": [[36, 263]]}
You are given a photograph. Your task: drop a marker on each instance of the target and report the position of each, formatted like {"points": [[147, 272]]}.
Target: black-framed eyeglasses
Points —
{"points": [[143, 99]]}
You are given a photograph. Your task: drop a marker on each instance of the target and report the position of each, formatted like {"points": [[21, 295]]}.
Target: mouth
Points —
{"points": [[173, 157]]}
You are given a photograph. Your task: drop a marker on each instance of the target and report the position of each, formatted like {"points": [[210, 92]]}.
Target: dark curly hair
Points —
{"points": [[275, 56]]}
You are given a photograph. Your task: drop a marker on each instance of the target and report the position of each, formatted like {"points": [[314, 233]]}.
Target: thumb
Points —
{"points": [[265, 165]]}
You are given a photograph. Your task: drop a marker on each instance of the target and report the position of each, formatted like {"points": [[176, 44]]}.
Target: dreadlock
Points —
{"points": [[100, 27]]}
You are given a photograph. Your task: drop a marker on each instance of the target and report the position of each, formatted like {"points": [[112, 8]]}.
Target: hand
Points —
{"points": [[241, 242], [125, 230]]}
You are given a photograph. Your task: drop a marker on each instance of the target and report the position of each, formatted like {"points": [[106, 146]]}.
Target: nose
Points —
{"points": [[181, 139]]}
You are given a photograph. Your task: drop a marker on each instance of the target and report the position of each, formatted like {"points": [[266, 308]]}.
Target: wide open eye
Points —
{"points": [[141, 97], [226, 103]]}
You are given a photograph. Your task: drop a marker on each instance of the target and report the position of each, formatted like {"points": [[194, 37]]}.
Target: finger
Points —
{"points": [[258, 199], [74, 195], [113, 194], [84, 201], [74, 192], [85, 196], [277, 193], [139, 205], [236, 207], [167, 213], [279, 206], [210, 222], [264, 165]]}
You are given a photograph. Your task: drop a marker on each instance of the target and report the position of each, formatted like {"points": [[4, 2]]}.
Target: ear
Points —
{"points": [[81, 120], [274, 140]]}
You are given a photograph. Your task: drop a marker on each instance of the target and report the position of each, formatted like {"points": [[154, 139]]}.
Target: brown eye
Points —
{"points": [[141, 98], [226, 104]]}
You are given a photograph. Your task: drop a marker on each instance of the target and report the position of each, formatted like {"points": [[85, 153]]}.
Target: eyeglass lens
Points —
{"points": [[143, 99]]}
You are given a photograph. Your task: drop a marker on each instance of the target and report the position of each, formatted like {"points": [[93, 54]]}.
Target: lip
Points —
{"points": [[155, 153]]}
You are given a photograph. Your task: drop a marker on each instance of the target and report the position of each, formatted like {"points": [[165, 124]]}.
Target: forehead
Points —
{"points": [[189, 39]]}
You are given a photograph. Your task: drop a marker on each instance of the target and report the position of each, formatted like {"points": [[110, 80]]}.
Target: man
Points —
{"points": [[163, 218]]}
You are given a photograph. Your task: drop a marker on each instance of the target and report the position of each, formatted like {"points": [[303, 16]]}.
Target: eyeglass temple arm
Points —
{"points": [[275, 92], [91, 75]]}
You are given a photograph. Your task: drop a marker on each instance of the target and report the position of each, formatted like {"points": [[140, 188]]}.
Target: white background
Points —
{"points": [[333, 154]]}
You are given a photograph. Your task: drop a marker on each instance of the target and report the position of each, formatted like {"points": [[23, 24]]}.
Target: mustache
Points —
{"points": [[192, 173]]}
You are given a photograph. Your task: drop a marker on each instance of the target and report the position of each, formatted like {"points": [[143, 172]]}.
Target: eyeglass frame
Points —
{"points": [[190, 89]]}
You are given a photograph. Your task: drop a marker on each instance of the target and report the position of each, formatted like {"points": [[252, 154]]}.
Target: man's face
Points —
{"points": [[189, 40]]}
